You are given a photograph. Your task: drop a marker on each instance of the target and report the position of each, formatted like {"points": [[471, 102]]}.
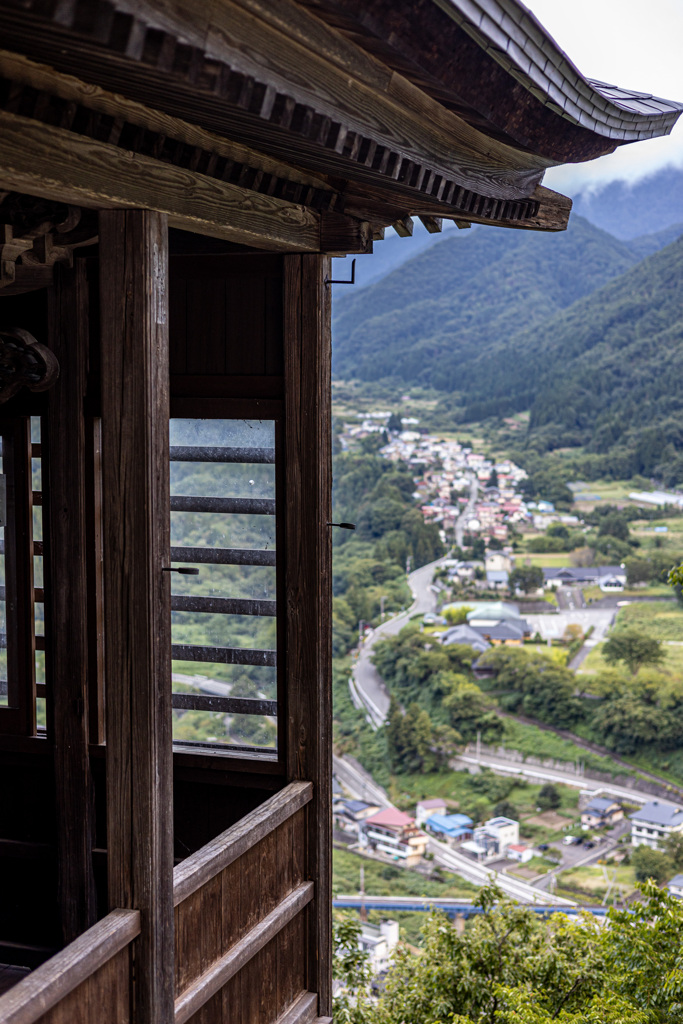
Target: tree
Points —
{"points": [[614, 524], [511, 966], [548, 798], [673, 848], [394, 425], [456, 616], [526, 578], [633, 648], [651, 863], [505, 809]]}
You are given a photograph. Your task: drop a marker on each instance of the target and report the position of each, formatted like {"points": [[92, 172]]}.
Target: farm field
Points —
{"points": [[589, 880]]}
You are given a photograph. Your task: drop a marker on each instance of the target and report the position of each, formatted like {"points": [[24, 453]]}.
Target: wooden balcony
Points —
{"points": [[241, 905]]}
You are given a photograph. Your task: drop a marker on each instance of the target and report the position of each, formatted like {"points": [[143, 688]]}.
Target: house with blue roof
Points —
{"points": [[453, 828]]}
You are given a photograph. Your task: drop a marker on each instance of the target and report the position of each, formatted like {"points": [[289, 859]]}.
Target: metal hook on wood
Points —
{"points": [[329, 281]]}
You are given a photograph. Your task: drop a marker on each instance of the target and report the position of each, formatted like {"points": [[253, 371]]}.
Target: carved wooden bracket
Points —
{"points": [[37, 233], [24, 362]]}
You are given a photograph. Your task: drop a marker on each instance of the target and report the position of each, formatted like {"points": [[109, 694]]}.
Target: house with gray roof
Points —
{"points": [[655, 822], [464, 634]]}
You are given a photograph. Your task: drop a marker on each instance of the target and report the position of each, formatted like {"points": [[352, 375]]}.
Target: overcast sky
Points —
{"points": [[633, 43]]}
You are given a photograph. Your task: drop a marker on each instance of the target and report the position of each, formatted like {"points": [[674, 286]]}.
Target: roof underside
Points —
{"points": [[349, 116]]}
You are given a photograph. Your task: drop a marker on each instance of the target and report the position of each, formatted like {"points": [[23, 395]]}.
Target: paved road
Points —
{"points": [[467, 511], [362, 787], [366, 685], [503, 766], [570, 598]]}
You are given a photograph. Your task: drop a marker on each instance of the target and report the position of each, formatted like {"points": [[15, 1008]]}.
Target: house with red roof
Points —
{"points": [[394, 833]]}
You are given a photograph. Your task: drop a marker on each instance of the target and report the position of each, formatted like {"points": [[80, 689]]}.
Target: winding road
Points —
{"points": [[366, 685]]}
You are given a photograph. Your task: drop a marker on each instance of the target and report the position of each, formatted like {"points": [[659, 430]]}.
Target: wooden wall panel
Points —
{"points": [[226, 316], [104, 998], [210, 921]]}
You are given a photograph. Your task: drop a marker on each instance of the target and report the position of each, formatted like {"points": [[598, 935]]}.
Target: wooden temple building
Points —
{"points": [[174, 178]]}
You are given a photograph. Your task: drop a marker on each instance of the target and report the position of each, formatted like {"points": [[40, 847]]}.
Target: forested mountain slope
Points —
{"points": [[438, 315], [628, 209]]}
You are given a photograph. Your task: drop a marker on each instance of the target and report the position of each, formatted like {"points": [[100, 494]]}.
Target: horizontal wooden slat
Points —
{"points": [[224, 556], [211, 982], [233, 506], [302, 1011], [222, 605], [223, 655], [39, 991], [39, 640], [229, 705], [196, 870], [37, 497], [211, 453], [38, 594]]}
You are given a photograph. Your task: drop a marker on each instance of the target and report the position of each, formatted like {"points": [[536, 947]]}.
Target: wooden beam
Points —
{"points": [[67, 599], [43, 78], [137, 623], [308, 582], [340, 235], [434, 225], [57, 164], [404, 227], [231, 72]]}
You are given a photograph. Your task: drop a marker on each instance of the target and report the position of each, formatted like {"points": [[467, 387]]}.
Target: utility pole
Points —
{"points": [[360, 633], [408, 566], [381, 605]]}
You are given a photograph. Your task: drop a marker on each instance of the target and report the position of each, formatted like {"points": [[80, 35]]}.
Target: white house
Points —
{"points": [[520, 852], [379, 942], [493, 838], [675, 886], [651, 825]]}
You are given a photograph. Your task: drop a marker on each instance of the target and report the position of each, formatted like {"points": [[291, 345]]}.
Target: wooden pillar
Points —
{"points": [[137, 619], [308, 482], [66, 608]]}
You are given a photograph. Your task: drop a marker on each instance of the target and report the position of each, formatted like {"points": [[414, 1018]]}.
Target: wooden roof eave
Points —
{"points": [[492, 62], [343, 127]]}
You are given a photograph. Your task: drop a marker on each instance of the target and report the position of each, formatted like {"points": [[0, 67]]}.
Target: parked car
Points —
{"points": [[543, 847], [571, 840]]}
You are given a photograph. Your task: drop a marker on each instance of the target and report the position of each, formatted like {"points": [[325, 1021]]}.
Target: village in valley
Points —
{"points": [[559, 827]]}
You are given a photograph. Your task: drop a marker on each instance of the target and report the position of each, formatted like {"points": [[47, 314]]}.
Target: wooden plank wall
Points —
{"points": [[213, 919], [104, 997], [226, 316]]}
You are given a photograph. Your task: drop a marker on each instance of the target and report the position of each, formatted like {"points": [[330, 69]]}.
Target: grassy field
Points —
{"points": [[551, 560], [655, 590], [388, 880], [589, 880], [659, 619], [672, 663]]}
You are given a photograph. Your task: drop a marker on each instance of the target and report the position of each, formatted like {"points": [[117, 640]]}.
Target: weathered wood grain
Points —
{"points": [[53, 981], [302, 1011], [195, 871], [18, 68], [66, 609], [241, 953], [58, 164], [135, 461], [308, 582]]}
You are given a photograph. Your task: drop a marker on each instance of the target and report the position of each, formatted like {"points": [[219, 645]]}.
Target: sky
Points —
{"points": [[637, 44]]}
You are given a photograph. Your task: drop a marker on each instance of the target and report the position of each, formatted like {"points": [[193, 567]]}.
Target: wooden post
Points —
{"points": [[308, 482], [137, 619], [66, 606]]}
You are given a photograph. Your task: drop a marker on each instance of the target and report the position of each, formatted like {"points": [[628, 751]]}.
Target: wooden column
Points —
{"points": [[66, 607], [308, 476], [137, 619]]}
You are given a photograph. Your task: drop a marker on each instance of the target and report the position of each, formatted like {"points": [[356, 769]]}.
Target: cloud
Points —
{"points": [[625, 43]]}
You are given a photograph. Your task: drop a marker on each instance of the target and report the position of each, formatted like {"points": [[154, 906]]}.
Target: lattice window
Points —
{"points": [[224, 500]]}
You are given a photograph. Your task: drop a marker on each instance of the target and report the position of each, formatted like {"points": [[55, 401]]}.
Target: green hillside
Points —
{"points": [[433, 320]]}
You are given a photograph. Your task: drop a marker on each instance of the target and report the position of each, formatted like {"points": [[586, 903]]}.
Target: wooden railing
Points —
{"points": [[239, 926], [93, 971]]}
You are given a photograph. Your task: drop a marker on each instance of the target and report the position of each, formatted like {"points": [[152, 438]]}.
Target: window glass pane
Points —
{"points": [[224, 628]]}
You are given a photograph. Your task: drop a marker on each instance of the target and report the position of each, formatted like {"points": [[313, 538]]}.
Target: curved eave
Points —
{"points": [[513, 37]]}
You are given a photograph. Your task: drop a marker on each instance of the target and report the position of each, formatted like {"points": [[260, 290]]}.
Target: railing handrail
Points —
{"points": [[200, 867], [39, 991]]}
